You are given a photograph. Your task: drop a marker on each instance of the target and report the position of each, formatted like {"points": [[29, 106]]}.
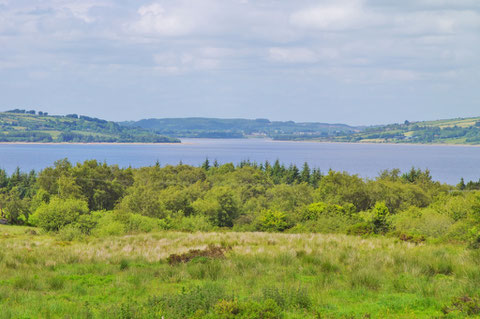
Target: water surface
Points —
{"points": [[446, 163]]}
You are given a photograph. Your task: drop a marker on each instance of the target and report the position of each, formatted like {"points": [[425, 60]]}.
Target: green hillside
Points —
{"points": [[241, 128], [450, 131], [30, 126]]}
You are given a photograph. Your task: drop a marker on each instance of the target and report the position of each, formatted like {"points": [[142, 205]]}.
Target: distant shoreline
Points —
{"points": [[92, 143], [380, 143], [267, 139]]}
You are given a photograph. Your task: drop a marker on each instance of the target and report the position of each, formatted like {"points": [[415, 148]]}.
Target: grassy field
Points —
{"points": [[261, 275]]}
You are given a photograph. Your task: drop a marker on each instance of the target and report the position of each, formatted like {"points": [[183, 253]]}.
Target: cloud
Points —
{"points": [[339, 15], [155, 19], [436, 22]]}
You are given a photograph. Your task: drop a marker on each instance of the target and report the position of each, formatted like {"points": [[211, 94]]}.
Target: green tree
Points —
{"points": [[380, 218], [305, 175]]}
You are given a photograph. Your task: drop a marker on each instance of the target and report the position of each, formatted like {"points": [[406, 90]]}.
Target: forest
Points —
{"points": [[96, 198], [246, 240]]}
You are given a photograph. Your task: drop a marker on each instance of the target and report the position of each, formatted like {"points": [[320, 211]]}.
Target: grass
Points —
{"points": [[262, 275]]}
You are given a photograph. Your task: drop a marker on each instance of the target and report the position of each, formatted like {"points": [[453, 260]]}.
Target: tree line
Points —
{"points": [[93, 198]]}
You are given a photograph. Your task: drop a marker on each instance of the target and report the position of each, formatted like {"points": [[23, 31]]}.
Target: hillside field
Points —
{"points": [[253, 275], [30, 126]]}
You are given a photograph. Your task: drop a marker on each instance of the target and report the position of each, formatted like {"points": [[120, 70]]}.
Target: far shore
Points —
{"points": [[93, 143], [268, 139], [380, 143]]}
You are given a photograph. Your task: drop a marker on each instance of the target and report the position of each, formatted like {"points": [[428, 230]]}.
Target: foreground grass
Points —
{"points": [[263, 275]]}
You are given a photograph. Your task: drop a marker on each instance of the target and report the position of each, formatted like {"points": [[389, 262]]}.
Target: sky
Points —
{"points": [[359, 62]]}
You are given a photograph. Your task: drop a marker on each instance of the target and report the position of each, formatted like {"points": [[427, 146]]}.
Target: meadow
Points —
{"points": [[249, 241], [257, 275]]}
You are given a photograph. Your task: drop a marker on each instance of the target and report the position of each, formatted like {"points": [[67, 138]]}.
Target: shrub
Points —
{"points": [[86, 223], [466, 305], [265, 310], [426, 222], [317, 210], [361, 229], [192, 223], [380, 218], [227, 308], [59, 213], [70, 232], [139, 223], [273, 221], [190, 301], [113, 228]]}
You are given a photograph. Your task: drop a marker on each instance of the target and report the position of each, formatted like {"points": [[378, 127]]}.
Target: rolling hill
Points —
{"points": [[30, 126], [241, 128], [449, 131]]}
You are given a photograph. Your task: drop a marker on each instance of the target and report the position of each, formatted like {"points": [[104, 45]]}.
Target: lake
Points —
{"points": [[446, 163]]}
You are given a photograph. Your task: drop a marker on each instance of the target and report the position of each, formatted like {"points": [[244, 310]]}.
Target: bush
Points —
{"points": [[273, 221], [192, 224], [58, 213], [326, 224], [380, 218], [139, 223], [190, 301], [426, 222], [86, 223], [317, 210], [69, 233], [361, 229], [265, 310]]}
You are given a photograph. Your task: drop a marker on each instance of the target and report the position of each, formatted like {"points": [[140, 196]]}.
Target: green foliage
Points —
{"points": [[220, 205], [192, 223], [190, 301], [58, 213], [271, 220], [380, 218], [243, 197], [361, 229], [316, 210], [342, 188]]}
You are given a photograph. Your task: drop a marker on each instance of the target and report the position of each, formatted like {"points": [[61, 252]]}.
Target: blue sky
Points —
{"points": [[348, 61]]}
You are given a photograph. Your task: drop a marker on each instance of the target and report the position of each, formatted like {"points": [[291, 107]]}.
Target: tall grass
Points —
{"points": [[264, 275]]}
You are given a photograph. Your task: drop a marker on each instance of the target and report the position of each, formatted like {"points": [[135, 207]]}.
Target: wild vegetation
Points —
{"points": [[29, 126], [236, 241], [93, 197], [261, 275]]}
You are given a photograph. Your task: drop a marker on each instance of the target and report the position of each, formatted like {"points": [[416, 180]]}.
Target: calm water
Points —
{"points": [[447, 163]]}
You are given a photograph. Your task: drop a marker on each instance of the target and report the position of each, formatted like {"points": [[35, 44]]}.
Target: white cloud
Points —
{"points": [[333, 16], [79, 9], [154, 19], [436, 22]]}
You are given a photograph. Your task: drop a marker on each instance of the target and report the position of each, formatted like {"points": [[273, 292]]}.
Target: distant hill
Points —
{"points": [[30, 126], [198, 127], [449, 131]]}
